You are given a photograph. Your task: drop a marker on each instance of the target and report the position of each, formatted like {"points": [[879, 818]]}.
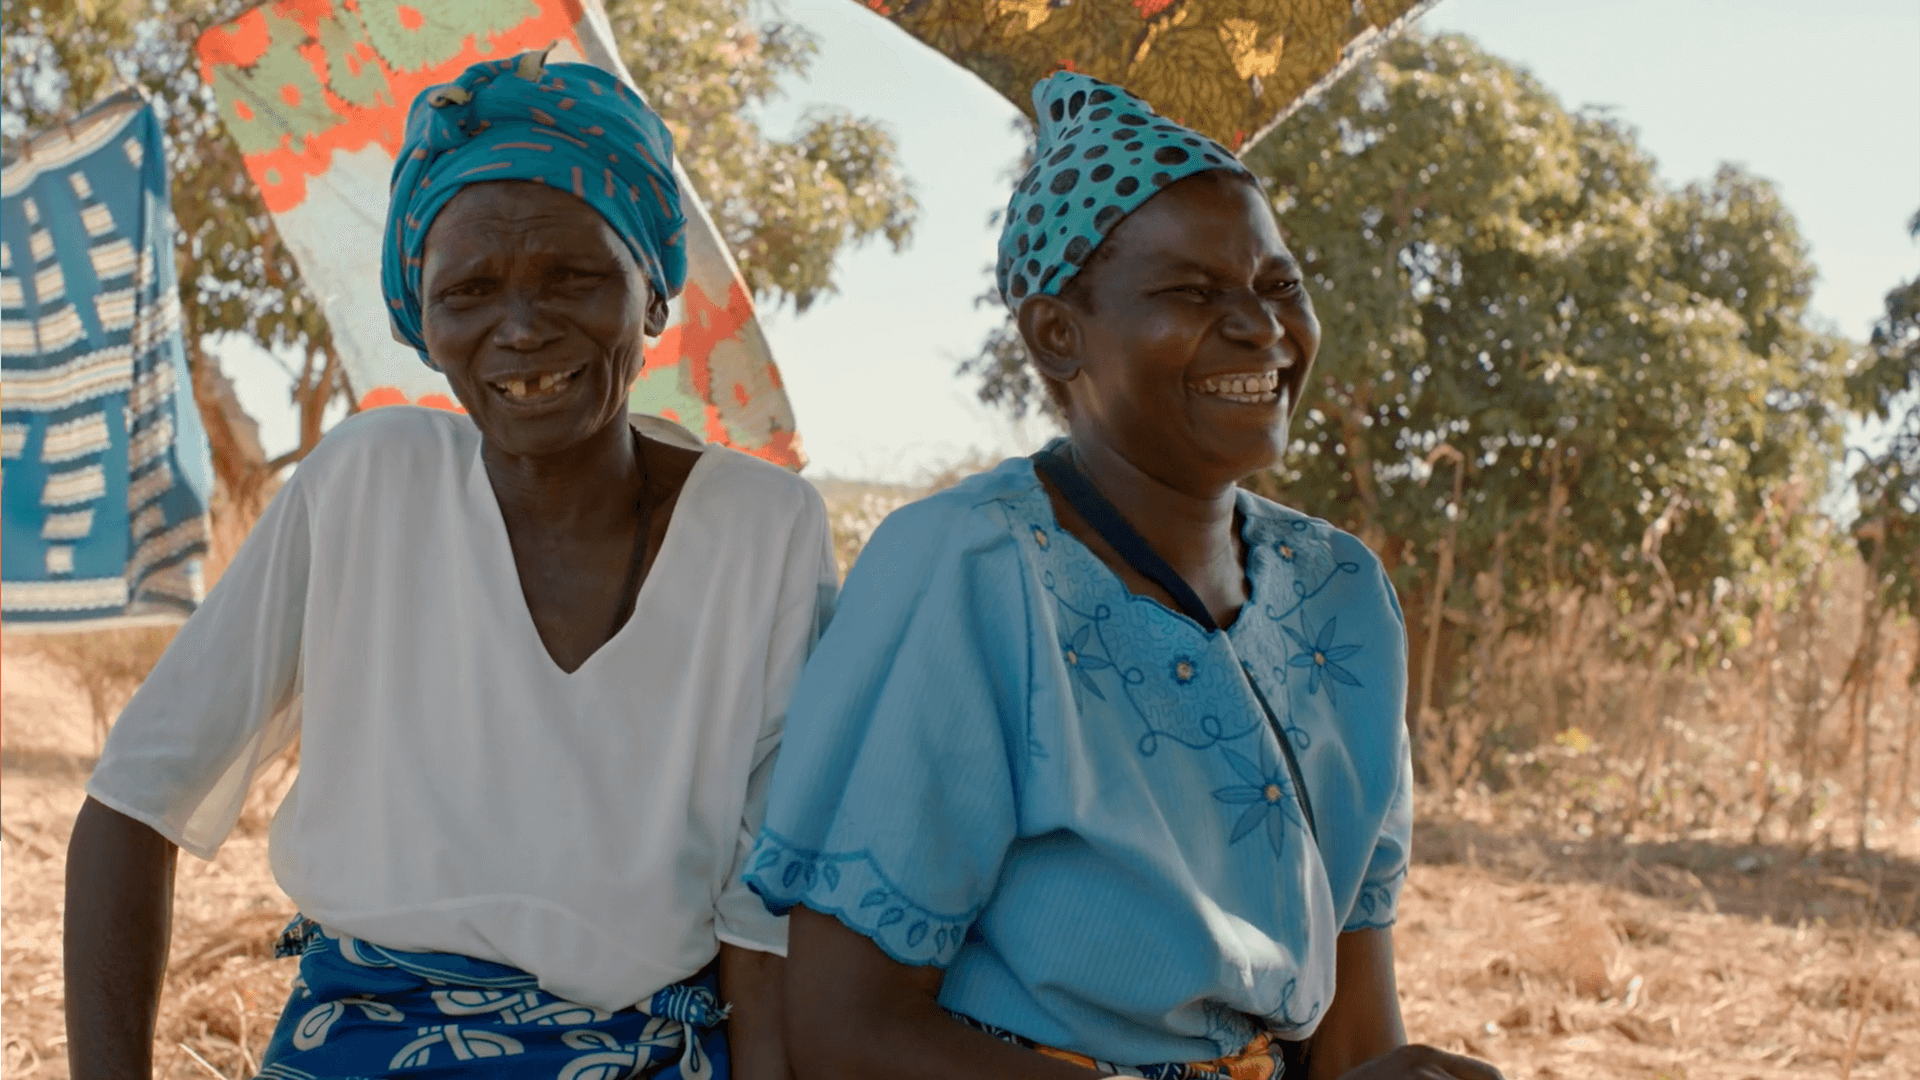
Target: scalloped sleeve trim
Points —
{"points": [[851, 887], [1377, 905]]}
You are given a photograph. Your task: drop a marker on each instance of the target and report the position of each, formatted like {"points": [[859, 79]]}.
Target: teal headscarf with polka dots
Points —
{"points": [[1101, 154]]}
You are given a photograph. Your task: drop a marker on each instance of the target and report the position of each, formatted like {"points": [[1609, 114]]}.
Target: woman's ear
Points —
{"points": [[656, 313], [1051, 328]]}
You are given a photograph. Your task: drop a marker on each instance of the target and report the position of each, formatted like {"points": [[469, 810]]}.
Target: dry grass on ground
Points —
{"points": [[1556, 958]]}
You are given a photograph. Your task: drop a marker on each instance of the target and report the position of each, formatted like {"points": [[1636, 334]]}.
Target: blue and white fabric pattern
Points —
{"points": [[107, 474], [360, 1010], [1002, 762]]}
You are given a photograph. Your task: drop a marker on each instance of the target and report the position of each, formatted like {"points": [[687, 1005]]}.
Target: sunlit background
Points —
{"points": [[1821, 99]]}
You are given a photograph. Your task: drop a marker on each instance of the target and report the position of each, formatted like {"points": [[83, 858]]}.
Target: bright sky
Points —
{"points": [[1823, 99]]}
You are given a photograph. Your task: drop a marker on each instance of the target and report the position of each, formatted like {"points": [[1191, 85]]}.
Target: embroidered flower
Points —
{"points": [[1322, 657], [1184, 670], [1266, 798], [1073, 650]]}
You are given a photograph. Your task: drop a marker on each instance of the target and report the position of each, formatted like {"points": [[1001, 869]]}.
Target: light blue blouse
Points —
{"points": [[1001, 761]]}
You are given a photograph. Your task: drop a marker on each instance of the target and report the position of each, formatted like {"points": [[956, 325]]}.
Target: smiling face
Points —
{"points": [[1185, 343], [534, 309]]}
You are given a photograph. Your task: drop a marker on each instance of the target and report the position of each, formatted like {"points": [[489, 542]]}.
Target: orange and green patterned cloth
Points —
{"points": [[1265, 1058]]}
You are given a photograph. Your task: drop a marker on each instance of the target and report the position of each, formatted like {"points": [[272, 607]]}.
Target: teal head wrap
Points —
{"points": [[1101, 153], [570, 126]]}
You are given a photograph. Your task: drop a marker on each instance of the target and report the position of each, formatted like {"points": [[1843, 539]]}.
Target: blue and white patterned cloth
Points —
{"points": [[107, 474], [360, 1010], [1000, 761]]}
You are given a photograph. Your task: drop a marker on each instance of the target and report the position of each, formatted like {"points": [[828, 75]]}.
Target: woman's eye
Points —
{"points": [[1283, 289], [466, 290]]}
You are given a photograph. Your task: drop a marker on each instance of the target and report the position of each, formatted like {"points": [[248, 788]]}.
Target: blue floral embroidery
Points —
{"points": [[1086, 650], [1283, 1017], [851, 886], [1301, 738], [1268, 797], [1074, 651], [1228, 1029], [1374, 907], [1309, 561], [1323, 657]]}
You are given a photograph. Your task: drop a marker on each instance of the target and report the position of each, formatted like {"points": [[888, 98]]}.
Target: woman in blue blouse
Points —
{"points": [[1102, 762]]}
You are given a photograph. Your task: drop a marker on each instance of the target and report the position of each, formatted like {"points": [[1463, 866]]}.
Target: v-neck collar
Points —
{"points": [[499, 558]]}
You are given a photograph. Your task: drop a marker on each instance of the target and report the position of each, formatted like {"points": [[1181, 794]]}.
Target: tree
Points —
{"points": [[235, 275], [1614, 376], [788, 208], [1886, 385], [1626, 369]]}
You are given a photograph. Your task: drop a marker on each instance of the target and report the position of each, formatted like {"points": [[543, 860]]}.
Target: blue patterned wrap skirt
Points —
{"points": [[360, 1010]]}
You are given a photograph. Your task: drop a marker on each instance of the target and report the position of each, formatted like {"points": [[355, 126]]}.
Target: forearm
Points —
{"points": [[854, 1014], [1364, 1022], [753, 984], [118, 921], [902, 1044], [1332, 1059]]}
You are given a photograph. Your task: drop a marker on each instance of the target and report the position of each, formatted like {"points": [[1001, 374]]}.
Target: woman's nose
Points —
{"points": [[524, 326], [1252, 322]]}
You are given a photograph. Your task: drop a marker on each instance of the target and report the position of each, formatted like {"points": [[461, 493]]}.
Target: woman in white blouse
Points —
{"points": [[537, 660]]}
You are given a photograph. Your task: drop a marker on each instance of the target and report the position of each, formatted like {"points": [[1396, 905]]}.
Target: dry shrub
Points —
{"points": [[1637, 722], [855, 508], [223, 994], [105, 665], [1575, 947]]}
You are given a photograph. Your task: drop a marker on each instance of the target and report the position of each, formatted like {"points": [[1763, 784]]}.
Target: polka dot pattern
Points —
{"points": [[1102, 153]]}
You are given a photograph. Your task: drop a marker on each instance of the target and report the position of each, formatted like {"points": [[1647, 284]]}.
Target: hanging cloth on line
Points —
{"points": [[107, 474]]}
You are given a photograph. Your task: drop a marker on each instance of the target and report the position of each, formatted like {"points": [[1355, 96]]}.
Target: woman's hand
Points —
{"points": [[753, 984], [1418, 1062]]}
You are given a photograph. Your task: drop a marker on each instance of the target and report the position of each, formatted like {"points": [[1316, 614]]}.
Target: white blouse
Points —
{"points": [[458, 792]]}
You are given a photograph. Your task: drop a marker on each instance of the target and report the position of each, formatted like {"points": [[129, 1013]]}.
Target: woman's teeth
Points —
{"points": [[545, 386], [1259, 388]]}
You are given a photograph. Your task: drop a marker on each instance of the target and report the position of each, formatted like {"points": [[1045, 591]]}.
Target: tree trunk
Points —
{"points": [[239, 462], [1437, 605], [1869, 661]]}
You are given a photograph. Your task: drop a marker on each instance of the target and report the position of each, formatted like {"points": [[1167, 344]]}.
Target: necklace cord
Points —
{"points": [[1106, 519]]}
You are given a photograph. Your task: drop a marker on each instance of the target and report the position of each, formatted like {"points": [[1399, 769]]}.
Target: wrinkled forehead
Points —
{"points": [[524, 216]]}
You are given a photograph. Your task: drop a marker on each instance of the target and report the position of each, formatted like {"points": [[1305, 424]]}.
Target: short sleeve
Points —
{"points": [[810, 585], [1378, 901], [224, 698], [895, 800]]}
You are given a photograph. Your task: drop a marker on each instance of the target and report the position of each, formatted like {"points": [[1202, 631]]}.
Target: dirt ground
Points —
{"points": [[1557, 958]]}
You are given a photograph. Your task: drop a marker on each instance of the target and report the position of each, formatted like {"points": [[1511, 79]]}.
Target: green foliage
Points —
{"points": [[235, 275], [1626, 370], [1886, 385], [786, 208]]}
